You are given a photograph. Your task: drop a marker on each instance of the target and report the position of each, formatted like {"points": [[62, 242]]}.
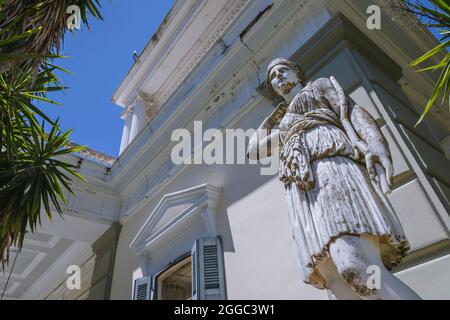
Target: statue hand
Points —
{"points": [[379, 164]]}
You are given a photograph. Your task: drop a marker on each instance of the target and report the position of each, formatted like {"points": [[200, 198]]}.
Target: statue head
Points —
{"points": [[283, 75]]}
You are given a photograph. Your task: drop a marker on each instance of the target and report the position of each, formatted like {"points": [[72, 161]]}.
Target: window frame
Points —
{"points": [[166, 268]]}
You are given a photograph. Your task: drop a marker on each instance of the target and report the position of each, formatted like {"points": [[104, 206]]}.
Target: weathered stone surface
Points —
{"points": [[361, 96]]}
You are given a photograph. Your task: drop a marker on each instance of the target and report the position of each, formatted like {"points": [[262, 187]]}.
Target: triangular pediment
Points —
{"points": [[173, 213]]}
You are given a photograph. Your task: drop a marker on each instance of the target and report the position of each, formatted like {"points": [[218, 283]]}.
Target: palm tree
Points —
{"points": [[37, 28], [30, 172], [433, 14], [33, 175]]}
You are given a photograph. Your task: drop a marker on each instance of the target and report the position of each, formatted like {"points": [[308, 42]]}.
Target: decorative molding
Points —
{"points": [[173, 29], [167, 31], [105, 213], [197, 56], [199, 201], [92, 154], [150, 103], [128, 111]]}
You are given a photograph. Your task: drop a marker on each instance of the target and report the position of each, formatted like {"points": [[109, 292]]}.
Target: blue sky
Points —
{"points": [[100, 59]]}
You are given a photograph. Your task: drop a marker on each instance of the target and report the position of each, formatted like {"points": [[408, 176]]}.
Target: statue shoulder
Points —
{"points": [[322, 83]]}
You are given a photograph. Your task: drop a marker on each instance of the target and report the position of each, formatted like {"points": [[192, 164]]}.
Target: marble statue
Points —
{"points": [[330, 151]]}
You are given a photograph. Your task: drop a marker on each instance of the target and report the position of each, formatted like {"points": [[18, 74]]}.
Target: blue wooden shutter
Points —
{"points": [[208, 278], [143, 288]]}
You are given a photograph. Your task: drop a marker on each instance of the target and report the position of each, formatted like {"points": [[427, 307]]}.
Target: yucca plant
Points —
{"points": [[34, 30], [33, 176], [434, 14]]}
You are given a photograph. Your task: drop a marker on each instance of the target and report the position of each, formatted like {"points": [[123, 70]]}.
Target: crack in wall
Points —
{"points": [[246, 30], [258, 67], [255, 20]]}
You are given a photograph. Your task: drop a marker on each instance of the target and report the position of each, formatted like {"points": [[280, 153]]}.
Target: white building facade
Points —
{"points": [[144, 227]]}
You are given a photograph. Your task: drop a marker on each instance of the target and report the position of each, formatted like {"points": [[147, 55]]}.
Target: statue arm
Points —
{"points": [[363, 131], [262, 144], [266, 141]]}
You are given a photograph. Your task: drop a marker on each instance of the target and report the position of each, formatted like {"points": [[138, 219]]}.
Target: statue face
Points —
{"points": [[283, 79]]}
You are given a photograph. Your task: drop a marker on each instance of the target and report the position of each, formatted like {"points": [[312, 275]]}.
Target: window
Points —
{"points": [[199, 274], [175, 283]]}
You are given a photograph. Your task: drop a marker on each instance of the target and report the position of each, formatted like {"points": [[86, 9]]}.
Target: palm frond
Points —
{"points": [[439, 15], [35, 30], [31, 177]]}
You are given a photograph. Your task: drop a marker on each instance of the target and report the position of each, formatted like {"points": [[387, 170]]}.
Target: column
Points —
{"points": [[127, 116], [138, 120]]}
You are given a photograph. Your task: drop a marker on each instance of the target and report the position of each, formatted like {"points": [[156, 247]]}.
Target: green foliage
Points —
{"points": [[32, 170], [33, 31], [33, 174], [436, 15]]}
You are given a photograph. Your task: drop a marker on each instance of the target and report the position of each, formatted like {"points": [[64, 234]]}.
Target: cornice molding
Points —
{"points": [[165, 32], [194, 57], [150, 57]]}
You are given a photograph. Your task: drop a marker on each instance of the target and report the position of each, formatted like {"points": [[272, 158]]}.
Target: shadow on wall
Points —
{"points": [[105, 250]]}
